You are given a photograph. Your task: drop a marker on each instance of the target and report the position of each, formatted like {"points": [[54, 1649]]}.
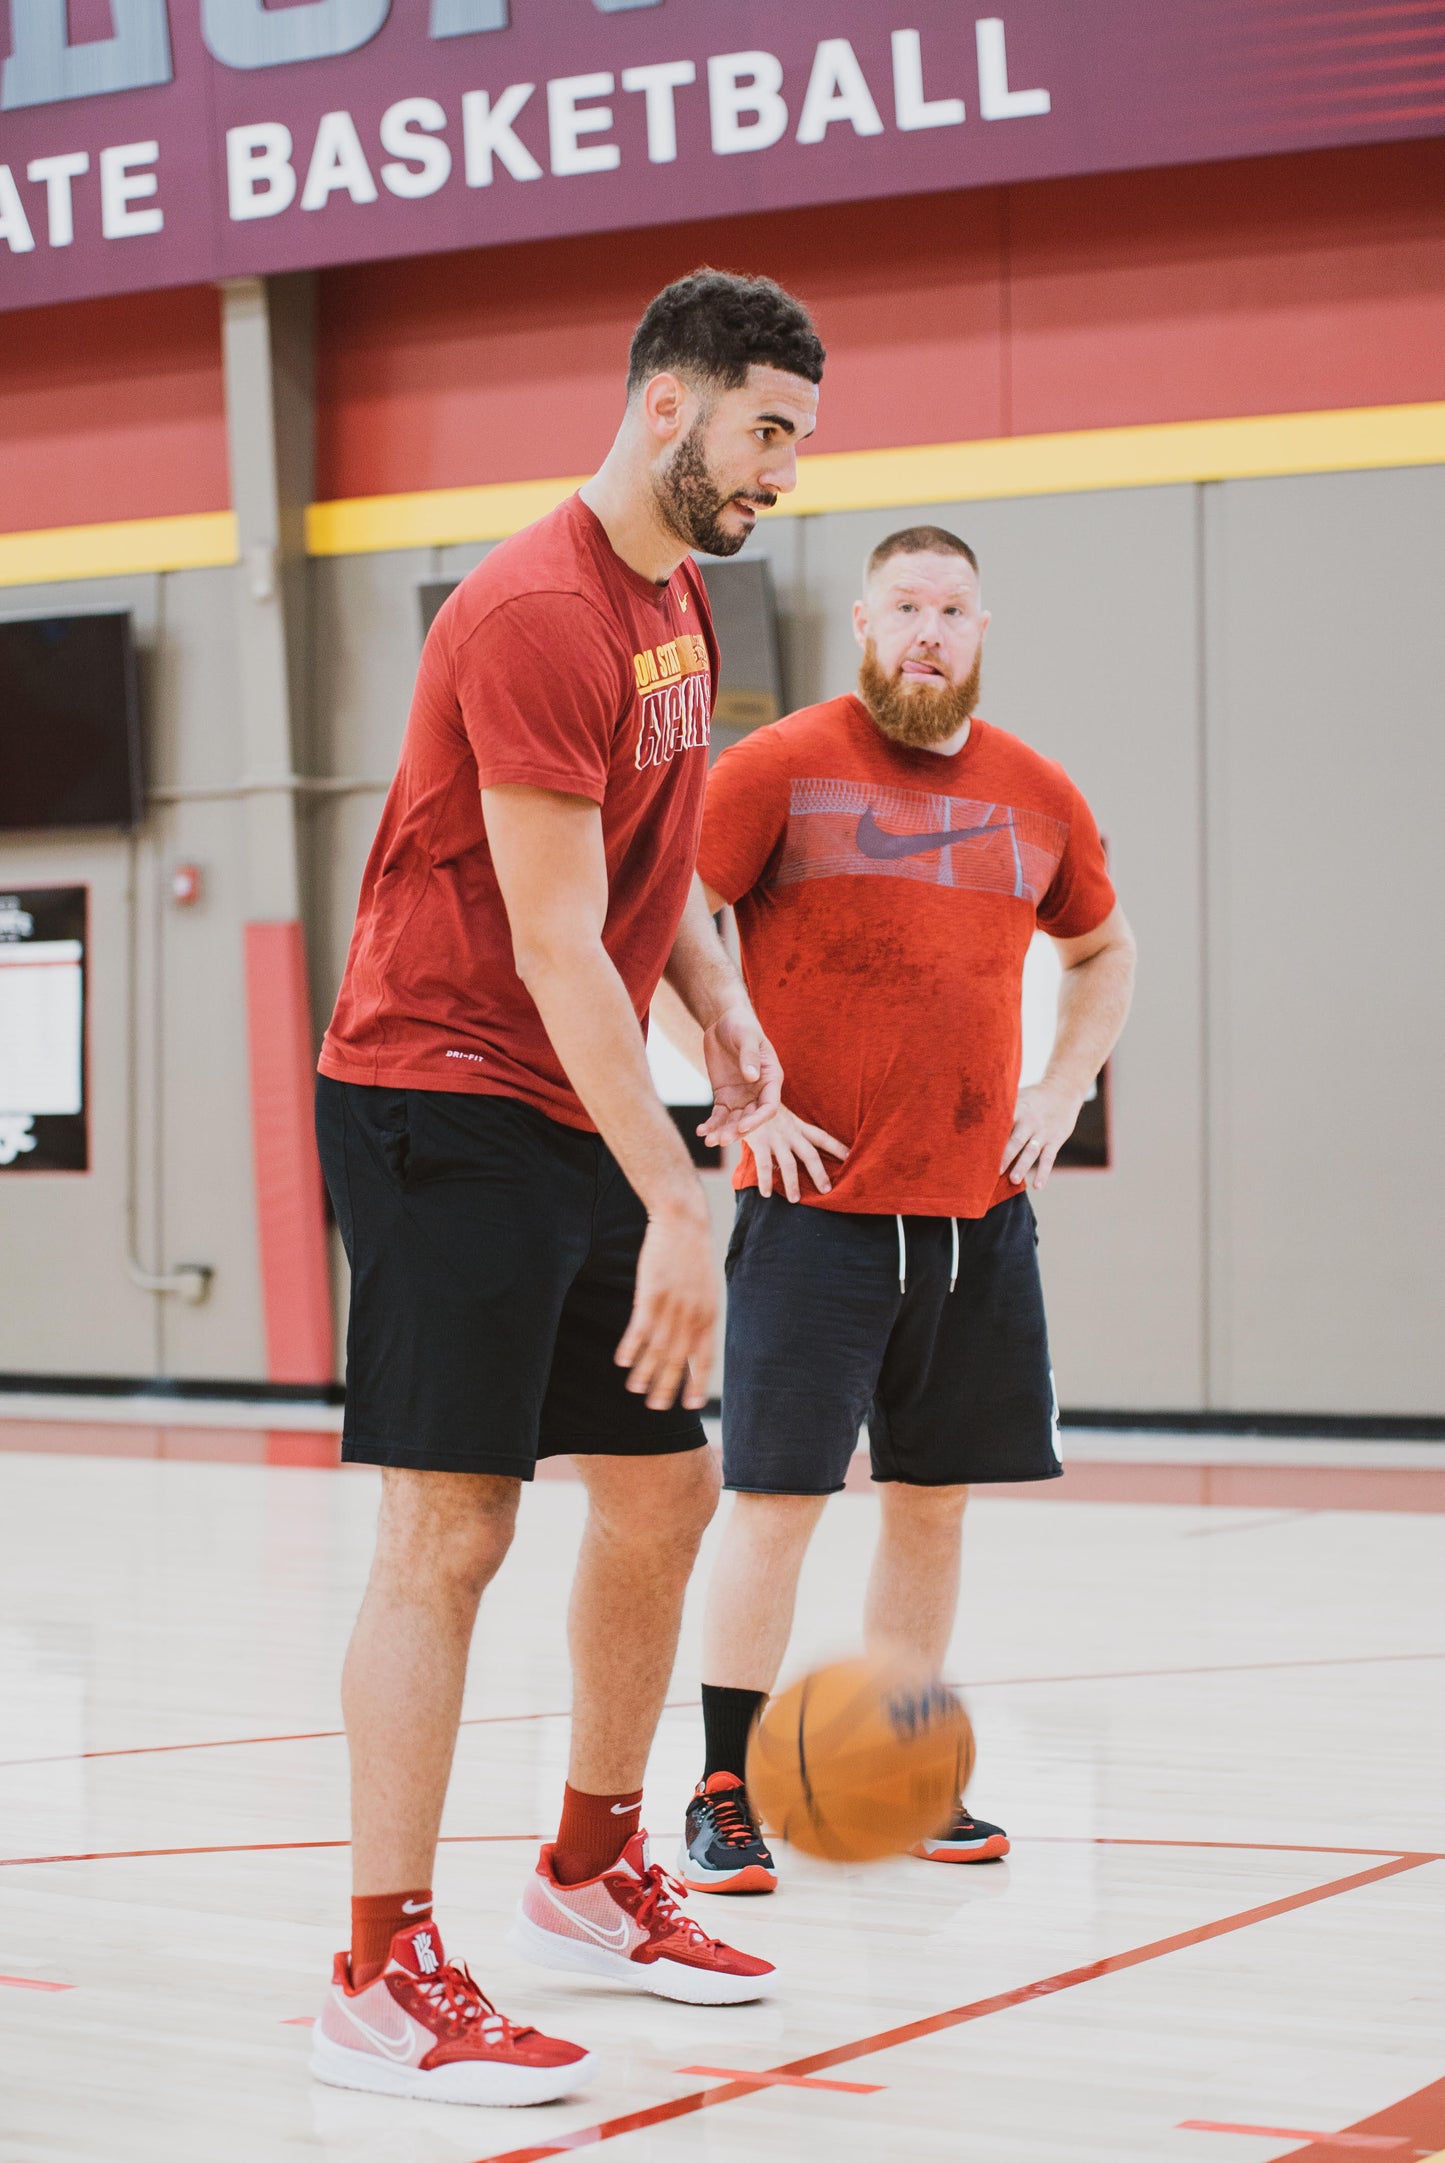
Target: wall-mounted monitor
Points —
{"points": [[70, 733]]}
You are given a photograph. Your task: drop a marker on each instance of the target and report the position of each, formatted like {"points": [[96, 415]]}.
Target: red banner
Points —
{"points": [[182, 140]]}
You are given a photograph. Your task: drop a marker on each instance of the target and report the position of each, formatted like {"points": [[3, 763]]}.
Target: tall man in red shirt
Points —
{"points": [[531, 1264], [889, 856]]}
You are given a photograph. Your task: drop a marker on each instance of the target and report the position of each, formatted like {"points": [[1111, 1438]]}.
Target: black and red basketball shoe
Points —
{"points": [[723, 1850], [965, 1839]]}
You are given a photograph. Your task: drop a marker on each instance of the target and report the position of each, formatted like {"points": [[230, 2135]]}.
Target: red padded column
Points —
{"points": [[290, 1210]]}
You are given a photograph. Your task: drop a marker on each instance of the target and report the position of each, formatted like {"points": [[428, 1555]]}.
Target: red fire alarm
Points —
{"points": [[186, 884]]}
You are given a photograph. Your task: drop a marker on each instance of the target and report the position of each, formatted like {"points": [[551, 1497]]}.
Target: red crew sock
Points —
{"points": [[375, 1921], [594, 1831]]}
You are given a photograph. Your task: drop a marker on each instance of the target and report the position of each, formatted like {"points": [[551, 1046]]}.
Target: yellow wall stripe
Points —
{"points": [[1354, 439], [1150, 457], [359, 525], [192, 543]]}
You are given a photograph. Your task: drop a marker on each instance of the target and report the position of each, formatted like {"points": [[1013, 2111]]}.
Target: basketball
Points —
{"points": [[860, 1759]]}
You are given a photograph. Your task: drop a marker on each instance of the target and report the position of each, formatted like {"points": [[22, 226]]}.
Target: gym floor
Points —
{"points": [[1214, 1734]]}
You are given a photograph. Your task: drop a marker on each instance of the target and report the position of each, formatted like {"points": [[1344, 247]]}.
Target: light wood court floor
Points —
{"points": [[1215, 1735]]}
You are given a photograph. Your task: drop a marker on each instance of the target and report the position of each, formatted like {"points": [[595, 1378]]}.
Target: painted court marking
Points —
{"points": [[690, 1704], [315, 1734], [29, 1982], [1293, 2132], [979, 2009], [787, 2080], [241, 1847]]}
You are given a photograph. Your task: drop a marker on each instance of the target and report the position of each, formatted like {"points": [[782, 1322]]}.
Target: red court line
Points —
{"points": [[315, 1734], [689, 1704], [1230, 1667], [788, 2080], [1417, 2120], [1293, 2132], [239, 1847], [980, 2008], [1250, 1847], [28, 1982]]}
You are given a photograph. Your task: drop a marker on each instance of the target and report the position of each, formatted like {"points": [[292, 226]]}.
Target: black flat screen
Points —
{"points": [[69, 723]]}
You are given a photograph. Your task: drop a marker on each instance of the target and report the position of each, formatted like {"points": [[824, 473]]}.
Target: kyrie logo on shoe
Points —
{"points": [[426, 1958]]}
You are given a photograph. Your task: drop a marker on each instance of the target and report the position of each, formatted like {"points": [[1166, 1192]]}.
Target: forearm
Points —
{"points": [[589, 1019], [1094, 1001], [700, 970]]}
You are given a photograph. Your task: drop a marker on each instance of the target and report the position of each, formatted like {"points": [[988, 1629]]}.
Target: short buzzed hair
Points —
{"points": [[917, 541], [717, 326]]}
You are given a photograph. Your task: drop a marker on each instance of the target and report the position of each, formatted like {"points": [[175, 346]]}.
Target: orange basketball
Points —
{"points": [[860, 1759]]}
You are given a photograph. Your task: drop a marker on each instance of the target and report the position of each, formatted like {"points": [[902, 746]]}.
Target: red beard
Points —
{"points": [[923, 716]]}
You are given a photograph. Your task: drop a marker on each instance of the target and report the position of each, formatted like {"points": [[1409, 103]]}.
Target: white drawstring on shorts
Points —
{"points": [[903, 1255]]}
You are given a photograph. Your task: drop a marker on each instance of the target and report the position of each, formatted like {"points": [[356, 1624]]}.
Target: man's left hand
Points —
{"points": [[1044, 1118], [746, 1076]]}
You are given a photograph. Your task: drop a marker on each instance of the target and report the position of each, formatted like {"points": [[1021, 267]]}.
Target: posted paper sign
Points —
{"points": [[42, 1011], [43, 1116]]}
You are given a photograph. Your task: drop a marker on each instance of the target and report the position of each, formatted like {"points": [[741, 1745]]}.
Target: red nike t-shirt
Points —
{"points": [[556, 665], [885, 902]]}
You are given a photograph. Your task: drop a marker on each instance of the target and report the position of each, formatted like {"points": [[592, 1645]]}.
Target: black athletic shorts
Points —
{"points": [[493, 1256], [834, 1318]]}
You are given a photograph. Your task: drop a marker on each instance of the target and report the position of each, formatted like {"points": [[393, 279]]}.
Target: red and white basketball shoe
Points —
{"points": [[422, 2028], [626, 1923]]}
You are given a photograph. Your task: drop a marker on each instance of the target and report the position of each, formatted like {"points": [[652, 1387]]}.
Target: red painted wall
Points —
{"points": [[1266, 286], [1271, 285], [112, 409]]}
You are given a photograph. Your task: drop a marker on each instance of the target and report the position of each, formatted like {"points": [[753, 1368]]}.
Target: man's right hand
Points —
{"points": [[784, 1142], [668, 1344]]}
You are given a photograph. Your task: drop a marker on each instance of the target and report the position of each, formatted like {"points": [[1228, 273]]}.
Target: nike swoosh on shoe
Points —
{"points": [[616, 1937]]}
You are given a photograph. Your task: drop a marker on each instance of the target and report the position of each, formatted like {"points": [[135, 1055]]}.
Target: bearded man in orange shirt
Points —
{"points": [[889, 856]]}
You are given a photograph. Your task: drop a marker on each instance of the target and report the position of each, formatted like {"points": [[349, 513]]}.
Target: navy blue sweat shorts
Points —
{"points": [[836, 1318]]}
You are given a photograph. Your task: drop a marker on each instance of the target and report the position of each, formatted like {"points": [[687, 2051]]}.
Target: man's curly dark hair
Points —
{"points": [[716, 326]]}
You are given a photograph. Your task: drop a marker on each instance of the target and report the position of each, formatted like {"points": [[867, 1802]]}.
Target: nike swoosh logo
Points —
{"points": [[872, 841], [398, 2049], [624, 1810], [416, 1907], [614, 1937]]}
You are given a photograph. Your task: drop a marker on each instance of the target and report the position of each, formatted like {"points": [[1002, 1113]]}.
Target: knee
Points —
{"points": [[692, 1503], [454, 1537], [923, 1512], [665, 1504]]}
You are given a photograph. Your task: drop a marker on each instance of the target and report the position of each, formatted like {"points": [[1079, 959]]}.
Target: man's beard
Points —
{"points": [[922, 717], [691, 501]]}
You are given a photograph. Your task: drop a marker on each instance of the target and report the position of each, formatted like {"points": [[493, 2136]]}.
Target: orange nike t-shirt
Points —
{"points": [[885, 901], [557, 665]]}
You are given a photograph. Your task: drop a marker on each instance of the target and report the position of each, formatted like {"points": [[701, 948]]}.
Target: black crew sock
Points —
{"points": [[727, 1719]]}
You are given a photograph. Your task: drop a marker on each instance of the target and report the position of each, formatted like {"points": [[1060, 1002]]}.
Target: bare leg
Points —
{"points": [[646, 1520], [441, 1537], [913, 1589], [754, 1588]]}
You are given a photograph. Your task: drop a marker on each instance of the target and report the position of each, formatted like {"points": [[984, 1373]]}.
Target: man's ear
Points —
{"points": [[860, 622], [983, 623], [664, 401]]}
